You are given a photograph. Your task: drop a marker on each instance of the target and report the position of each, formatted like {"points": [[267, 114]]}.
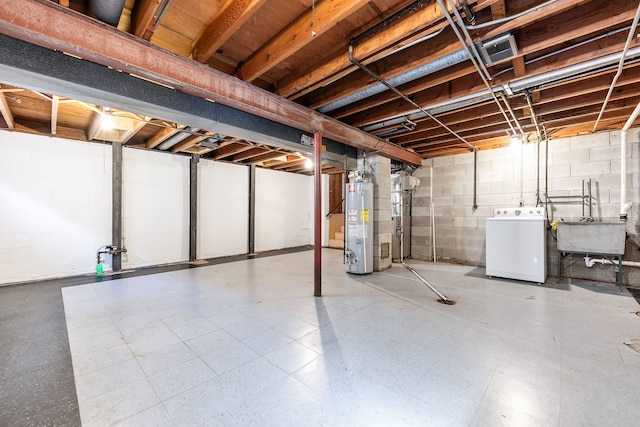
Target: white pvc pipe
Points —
{"points": [[590, 262], [624, 205]]}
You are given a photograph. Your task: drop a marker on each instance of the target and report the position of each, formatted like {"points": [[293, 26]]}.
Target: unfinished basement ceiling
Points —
{"points": [[547, 61]]}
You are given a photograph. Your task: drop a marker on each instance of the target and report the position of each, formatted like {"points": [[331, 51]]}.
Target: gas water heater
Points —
{"points": [[359, 227]]}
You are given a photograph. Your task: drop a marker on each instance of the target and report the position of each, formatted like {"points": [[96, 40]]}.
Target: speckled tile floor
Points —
{"points": [[245, 343]]}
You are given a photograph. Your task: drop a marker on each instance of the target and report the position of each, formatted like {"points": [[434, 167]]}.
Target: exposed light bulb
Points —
{"points": [[108, 123], [308, 163], [515, 141]]}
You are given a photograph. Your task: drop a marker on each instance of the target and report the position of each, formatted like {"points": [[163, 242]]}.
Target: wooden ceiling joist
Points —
{"points": [[233, 15], [143, 22], [312, 23], [5, 110], [230, 150], [109, 47], [162, 135]]}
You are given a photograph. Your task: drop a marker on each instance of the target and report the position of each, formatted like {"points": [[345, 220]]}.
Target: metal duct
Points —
{"points": [[108, 11], [562, 74], [430, 68], [179, 137]]}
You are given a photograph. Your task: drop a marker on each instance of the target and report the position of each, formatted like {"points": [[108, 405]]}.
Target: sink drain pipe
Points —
{"points": [[442, 299]]}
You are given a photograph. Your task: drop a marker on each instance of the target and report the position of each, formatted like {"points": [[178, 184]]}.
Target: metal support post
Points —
{"points": [[116, 204], [251, 244], [193, 207], [317, 215]]}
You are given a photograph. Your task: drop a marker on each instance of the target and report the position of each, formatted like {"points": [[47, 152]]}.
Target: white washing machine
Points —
{"points": [[516, 244]]}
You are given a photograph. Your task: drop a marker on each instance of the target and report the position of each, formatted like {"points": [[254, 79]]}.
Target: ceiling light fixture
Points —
{"points": [[308, 163]]}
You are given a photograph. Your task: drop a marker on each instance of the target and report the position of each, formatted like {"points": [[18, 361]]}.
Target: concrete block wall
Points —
{"points": [[284, 206], [507, 176], [55, 208], [155, 207], [223, 209]]}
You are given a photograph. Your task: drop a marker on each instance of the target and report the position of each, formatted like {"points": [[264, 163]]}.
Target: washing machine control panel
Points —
{"points": [[519, 212]]}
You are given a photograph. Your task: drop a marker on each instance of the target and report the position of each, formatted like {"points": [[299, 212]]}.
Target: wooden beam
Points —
{"points": [[498, 10], [110, 47], [472, 83], [190, 142], [230, 150], [256, 151], [234, 14], [143, 18], [519, 69], [266, 157], [5, 110], [64, 3], [161, 135], [424, 16], [55, 102], [297, 35], [137, 127], [286, 165]]}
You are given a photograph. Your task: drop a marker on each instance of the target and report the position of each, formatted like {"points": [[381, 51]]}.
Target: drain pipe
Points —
{"points": [[623, 56], [624, 205], [590, 262], [357, 63]]}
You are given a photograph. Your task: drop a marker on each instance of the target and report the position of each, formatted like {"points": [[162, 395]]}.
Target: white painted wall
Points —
{"points": [[55, 206], [223, 209], [284, 207], [503, 174], [155, 207]]}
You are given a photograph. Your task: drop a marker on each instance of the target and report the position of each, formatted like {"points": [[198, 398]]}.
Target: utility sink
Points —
{"points": [[592, 237]]}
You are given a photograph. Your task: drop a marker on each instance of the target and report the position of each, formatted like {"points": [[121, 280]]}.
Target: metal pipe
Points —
{"points": [[108, 11], [620, 67], [624, 205], [433, 212], [590, 201], [317, 215], [582, 198], [509, 18], [513, 115], [417, 73], [179, 137], [475, 180], [473, 55], [251, 243], [468, 38], [409, 9], [403, 96], [116, 203], [193, 207], [573, 71], [434, 290]]}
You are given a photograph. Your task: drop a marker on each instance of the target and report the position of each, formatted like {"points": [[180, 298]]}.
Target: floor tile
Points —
{"points": [[246, 344]]}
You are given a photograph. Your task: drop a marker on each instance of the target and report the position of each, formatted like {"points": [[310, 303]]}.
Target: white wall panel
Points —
{"points": [[223, 209], [155, 207], [55, 208], [284, 204]]}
